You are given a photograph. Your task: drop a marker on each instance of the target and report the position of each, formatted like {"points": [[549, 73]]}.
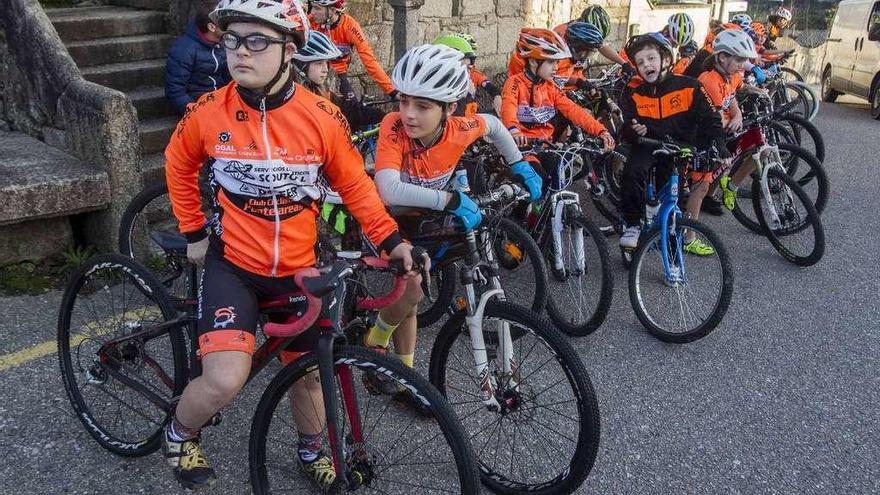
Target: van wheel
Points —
{"points": [[829, 94], [875, 101]]}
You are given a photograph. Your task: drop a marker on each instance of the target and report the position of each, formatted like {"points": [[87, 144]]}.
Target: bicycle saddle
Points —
{"points": [[169, 241]]}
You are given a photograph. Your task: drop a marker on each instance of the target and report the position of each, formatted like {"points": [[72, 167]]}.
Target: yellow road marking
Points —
{"points": [[49, 347]]}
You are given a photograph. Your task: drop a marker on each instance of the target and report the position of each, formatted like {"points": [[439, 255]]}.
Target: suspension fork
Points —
{"points": [[767, 157], [561, 202]]}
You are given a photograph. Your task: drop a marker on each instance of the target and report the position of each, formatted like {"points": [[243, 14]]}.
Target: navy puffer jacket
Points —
{"points": [[194, 67]]}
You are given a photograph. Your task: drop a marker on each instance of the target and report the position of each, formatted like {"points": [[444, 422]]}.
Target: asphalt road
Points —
{"points": [[782, 398]]}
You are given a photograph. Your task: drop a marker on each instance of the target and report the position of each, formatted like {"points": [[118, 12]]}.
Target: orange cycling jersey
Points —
{"points": [[721, 90], [681, 65], [348, 36], [528, 107], [427, 167], [477, 77], [267, 167]]}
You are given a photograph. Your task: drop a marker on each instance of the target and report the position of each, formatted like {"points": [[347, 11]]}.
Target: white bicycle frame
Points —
{"points": [[767, 157]]}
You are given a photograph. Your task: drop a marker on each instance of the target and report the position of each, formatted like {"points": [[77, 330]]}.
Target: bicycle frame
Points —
{"points": [[668, 213], [765, 157]]}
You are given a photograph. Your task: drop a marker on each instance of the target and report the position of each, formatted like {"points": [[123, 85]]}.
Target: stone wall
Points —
{"points": [[43, 93]]}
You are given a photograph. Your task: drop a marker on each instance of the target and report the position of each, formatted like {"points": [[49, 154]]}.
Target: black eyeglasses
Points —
{"points": [[253, 42]]}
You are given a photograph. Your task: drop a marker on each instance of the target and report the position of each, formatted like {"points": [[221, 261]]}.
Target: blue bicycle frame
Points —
{"points": [[668, 211]]}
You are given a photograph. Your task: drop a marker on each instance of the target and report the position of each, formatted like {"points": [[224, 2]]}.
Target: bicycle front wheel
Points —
{"points": [[808, 172], [582, 286], [796, 230], [544, 435], [107, 376], [387, 448], [686, 299]]}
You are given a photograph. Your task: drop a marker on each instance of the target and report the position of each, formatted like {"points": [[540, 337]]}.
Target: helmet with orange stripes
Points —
{"points": [[541, 44], [285, 16]]}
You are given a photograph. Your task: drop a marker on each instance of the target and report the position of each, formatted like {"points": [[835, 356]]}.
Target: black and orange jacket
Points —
{"points": [[348, 36], [678, 107], [528, 107], [269, 158]]}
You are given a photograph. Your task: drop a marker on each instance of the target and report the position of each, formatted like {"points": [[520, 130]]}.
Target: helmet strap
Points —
{"points": [[282, 69]]}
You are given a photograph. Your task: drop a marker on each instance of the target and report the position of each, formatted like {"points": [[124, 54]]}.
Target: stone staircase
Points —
{"points": [[124, 47]]}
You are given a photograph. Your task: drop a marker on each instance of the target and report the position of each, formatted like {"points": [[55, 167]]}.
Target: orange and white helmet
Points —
{"points": [[287, 16], [541, 44]]}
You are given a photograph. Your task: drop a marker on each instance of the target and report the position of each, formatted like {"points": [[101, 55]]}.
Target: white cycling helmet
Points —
{"points": [[317, 47], [433, 72], [680, 27], [735, 42], [742, 19], [783, 13], [287, 16]]}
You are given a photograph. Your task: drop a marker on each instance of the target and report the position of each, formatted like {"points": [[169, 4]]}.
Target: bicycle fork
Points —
{"points": [[563, 203], [474, 320], [767, 157]]}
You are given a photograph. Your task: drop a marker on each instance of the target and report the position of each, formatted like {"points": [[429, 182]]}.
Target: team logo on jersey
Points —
{"points": [[224, 316], [238, 170], [241, 116], [325, 107], [224, 136]]}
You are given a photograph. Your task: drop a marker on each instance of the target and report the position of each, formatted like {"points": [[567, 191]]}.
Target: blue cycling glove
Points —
{"points": [[465, 209], [760, 75], [531, 179]]}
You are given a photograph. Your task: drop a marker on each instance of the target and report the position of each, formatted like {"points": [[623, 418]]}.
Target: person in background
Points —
{"points": [[686, 54], [329, 17], [778, 20], [196, 63], [465, 44]]}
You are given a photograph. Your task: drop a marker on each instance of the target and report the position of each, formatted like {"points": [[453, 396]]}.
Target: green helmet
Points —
{"points": [[455, 42], [598, 17], [470, 39]]}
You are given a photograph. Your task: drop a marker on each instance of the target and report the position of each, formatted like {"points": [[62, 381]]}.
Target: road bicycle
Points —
{"points": [[678, 298], [124, 362]]}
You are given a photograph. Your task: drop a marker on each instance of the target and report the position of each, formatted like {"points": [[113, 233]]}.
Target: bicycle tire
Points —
{"points": [[788, 70], [362, 359], [814, 172], [781, 96], [813, 220], [561, 315], [721, 303], [146, 285], [814, 101], [135, 208], [799, 124], [445, 278], [573, 471]]}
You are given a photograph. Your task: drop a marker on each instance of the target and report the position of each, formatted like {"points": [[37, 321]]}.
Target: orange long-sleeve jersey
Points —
{"points": [[721, 90], [348, 36], [528, 107], [269, 158]]}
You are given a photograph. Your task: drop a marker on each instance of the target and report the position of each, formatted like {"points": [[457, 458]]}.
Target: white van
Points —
{"points": [[852, 59]]}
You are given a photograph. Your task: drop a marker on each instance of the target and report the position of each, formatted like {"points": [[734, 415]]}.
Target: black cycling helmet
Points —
{"points": [[689, 49], [640, 41]]}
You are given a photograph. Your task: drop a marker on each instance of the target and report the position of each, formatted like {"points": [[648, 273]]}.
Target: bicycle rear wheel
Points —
{"points": [[108, 298], [146, 219], [388, 449], [806, 134], [689, 300], [545, 437], [579, 299], [798, 235], [808, 172]]}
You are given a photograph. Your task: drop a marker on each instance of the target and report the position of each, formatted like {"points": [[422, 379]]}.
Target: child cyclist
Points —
{"points": [[312, 64], [663, 105], [465, 44], [418, 151], [264, 229], [582, 40], [329, 17], [530, 100], [732, 50]]}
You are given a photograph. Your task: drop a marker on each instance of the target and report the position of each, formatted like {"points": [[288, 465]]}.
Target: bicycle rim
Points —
{"points": [[692, 303], [399, 452], [798, 235], [808, 173], [110, 297], [579, 298], [545, 438]]}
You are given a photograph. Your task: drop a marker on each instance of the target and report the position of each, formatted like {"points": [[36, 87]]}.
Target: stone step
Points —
{"points": [[153, 168], [127, 76], [155, 134], [110, 50], [150, 103], [144, 4], [88, 23], [39, 181]]}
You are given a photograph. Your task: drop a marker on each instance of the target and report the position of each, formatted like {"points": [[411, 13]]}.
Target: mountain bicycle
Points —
{"points": [[678, 298], [124, 363]]}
